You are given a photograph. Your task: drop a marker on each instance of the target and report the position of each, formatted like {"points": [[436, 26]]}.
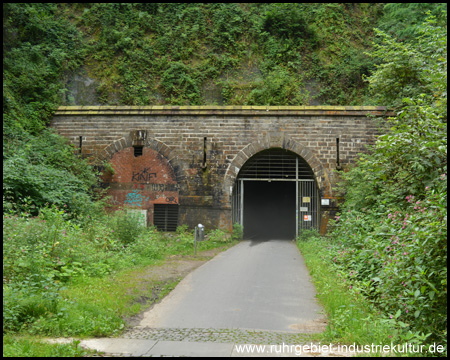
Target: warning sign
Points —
{"points": [[307, 217], [306, 199]]}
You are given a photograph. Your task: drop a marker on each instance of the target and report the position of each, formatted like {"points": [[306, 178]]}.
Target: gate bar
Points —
{"points": [[242, 203]]}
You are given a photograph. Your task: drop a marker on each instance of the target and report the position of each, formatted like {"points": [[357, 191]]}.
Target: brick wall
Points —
{"points": [[196, 152], [141, 181]]}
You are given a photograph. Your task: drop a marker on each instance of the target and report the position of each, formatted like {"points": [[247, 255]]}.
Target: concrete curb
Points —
{"points": [[144, 347]]}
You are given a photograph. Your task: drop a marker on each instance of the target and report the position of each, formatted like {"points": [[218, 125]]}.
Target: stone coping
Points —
{"points": [[224, 110]]}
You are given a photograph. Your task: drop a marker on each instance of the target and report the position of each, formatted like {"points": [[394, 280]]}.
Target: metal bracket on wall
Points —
{"points": [[81, 144], [204, 166], [338, 164]]}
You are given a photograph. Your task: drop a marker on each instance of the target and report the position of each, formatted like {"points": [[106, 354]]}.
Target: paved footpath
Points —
{"points": [[253, 285], [253, 293]]}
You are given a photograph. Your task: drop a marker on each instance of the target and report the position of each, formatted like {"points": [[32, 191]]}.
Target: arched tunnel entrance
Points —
{"points": [[275, 196]]}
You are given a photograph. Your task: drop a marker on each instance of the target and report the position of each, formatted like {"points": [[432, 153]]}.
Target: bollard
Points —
{"points": [[199, 236]]}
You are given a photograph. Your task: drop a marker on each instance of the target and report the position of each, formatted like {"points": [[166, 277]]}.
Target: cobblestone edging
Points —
{"points": [[236, 336]]}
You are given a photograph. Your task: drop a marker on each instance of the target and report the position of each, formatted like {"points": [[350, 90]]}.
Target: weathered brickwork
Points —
{"points": [[141, 181], [194, 153]]}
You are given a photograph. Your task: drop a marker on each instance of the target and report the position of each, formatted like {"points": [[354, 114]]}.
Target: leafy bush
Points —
{"points": [[308, 235], [391, 236], [351, 318], [183, 230], [40, 46], [397, 259], [45, 170], [127, 227], [26, 301], [42, 253], [180, 86], [229, 20], [287, 21], [279, 87], [218, 235], [149, 246], [238, 232], [404, 20], [410, 69]]}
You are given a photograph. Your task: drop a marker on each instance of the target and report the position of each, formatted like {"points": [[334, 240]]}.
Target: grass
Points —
{"points": [[31, 346], [351, 319], [97, 306], [102, 305]]}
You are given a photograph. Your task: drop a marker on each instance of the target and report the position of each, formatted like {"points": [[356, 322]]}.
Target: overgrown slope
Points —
{"points": [[194, 54], [391, 239]]}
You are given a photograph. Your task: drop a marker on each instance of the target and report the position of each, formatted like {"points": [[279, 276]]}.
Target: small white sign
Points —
{"points": [[326, 202], [307, 217], [306, 199], [303, 208]]}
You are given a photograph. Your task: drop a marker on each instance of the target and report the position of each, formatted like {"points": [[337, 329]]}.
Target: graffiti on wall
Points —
{"points": [[157, 187], [135, 198], [171, 199], [143, 175], [163, 187]]}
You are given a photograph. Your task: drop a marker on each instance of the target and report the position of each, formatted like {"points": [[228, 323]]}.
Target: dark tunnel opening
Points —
{"points": [[269, 211]]}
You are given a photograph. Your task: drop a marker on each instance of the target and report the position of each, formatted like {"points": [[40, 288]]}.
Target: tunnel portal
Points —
{"points": [[275, 196]]}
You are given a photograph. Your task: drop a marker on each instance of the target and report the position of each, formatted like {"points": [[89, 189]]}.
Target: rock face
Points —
{"points": [[81, 89]]}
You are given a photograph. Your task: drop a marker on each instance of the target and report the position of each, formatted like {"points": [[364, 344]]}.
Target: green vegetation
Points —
{"points": [[38, 165], [82, 276], [350, 318], [46, 258], [389, 244], [29, 346], [238, 232], [195, 54], [142, 54], [403, 21]]}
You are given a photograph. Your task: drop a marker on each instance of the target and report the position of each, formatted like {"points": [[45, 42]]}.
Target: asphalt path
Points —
{"points": [[254, 285]]}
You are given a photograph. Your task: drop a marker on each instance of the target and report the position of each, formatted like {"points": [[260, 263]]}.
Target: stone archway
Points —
{"points": [[275, 140], [145, 181], [278, 141], [154, 144]]}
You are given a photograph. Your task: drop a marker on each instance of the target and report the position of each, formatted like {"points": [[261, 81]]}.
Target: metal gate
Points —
{"points": [[280, 165], [308, 205], [237, 203]]}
